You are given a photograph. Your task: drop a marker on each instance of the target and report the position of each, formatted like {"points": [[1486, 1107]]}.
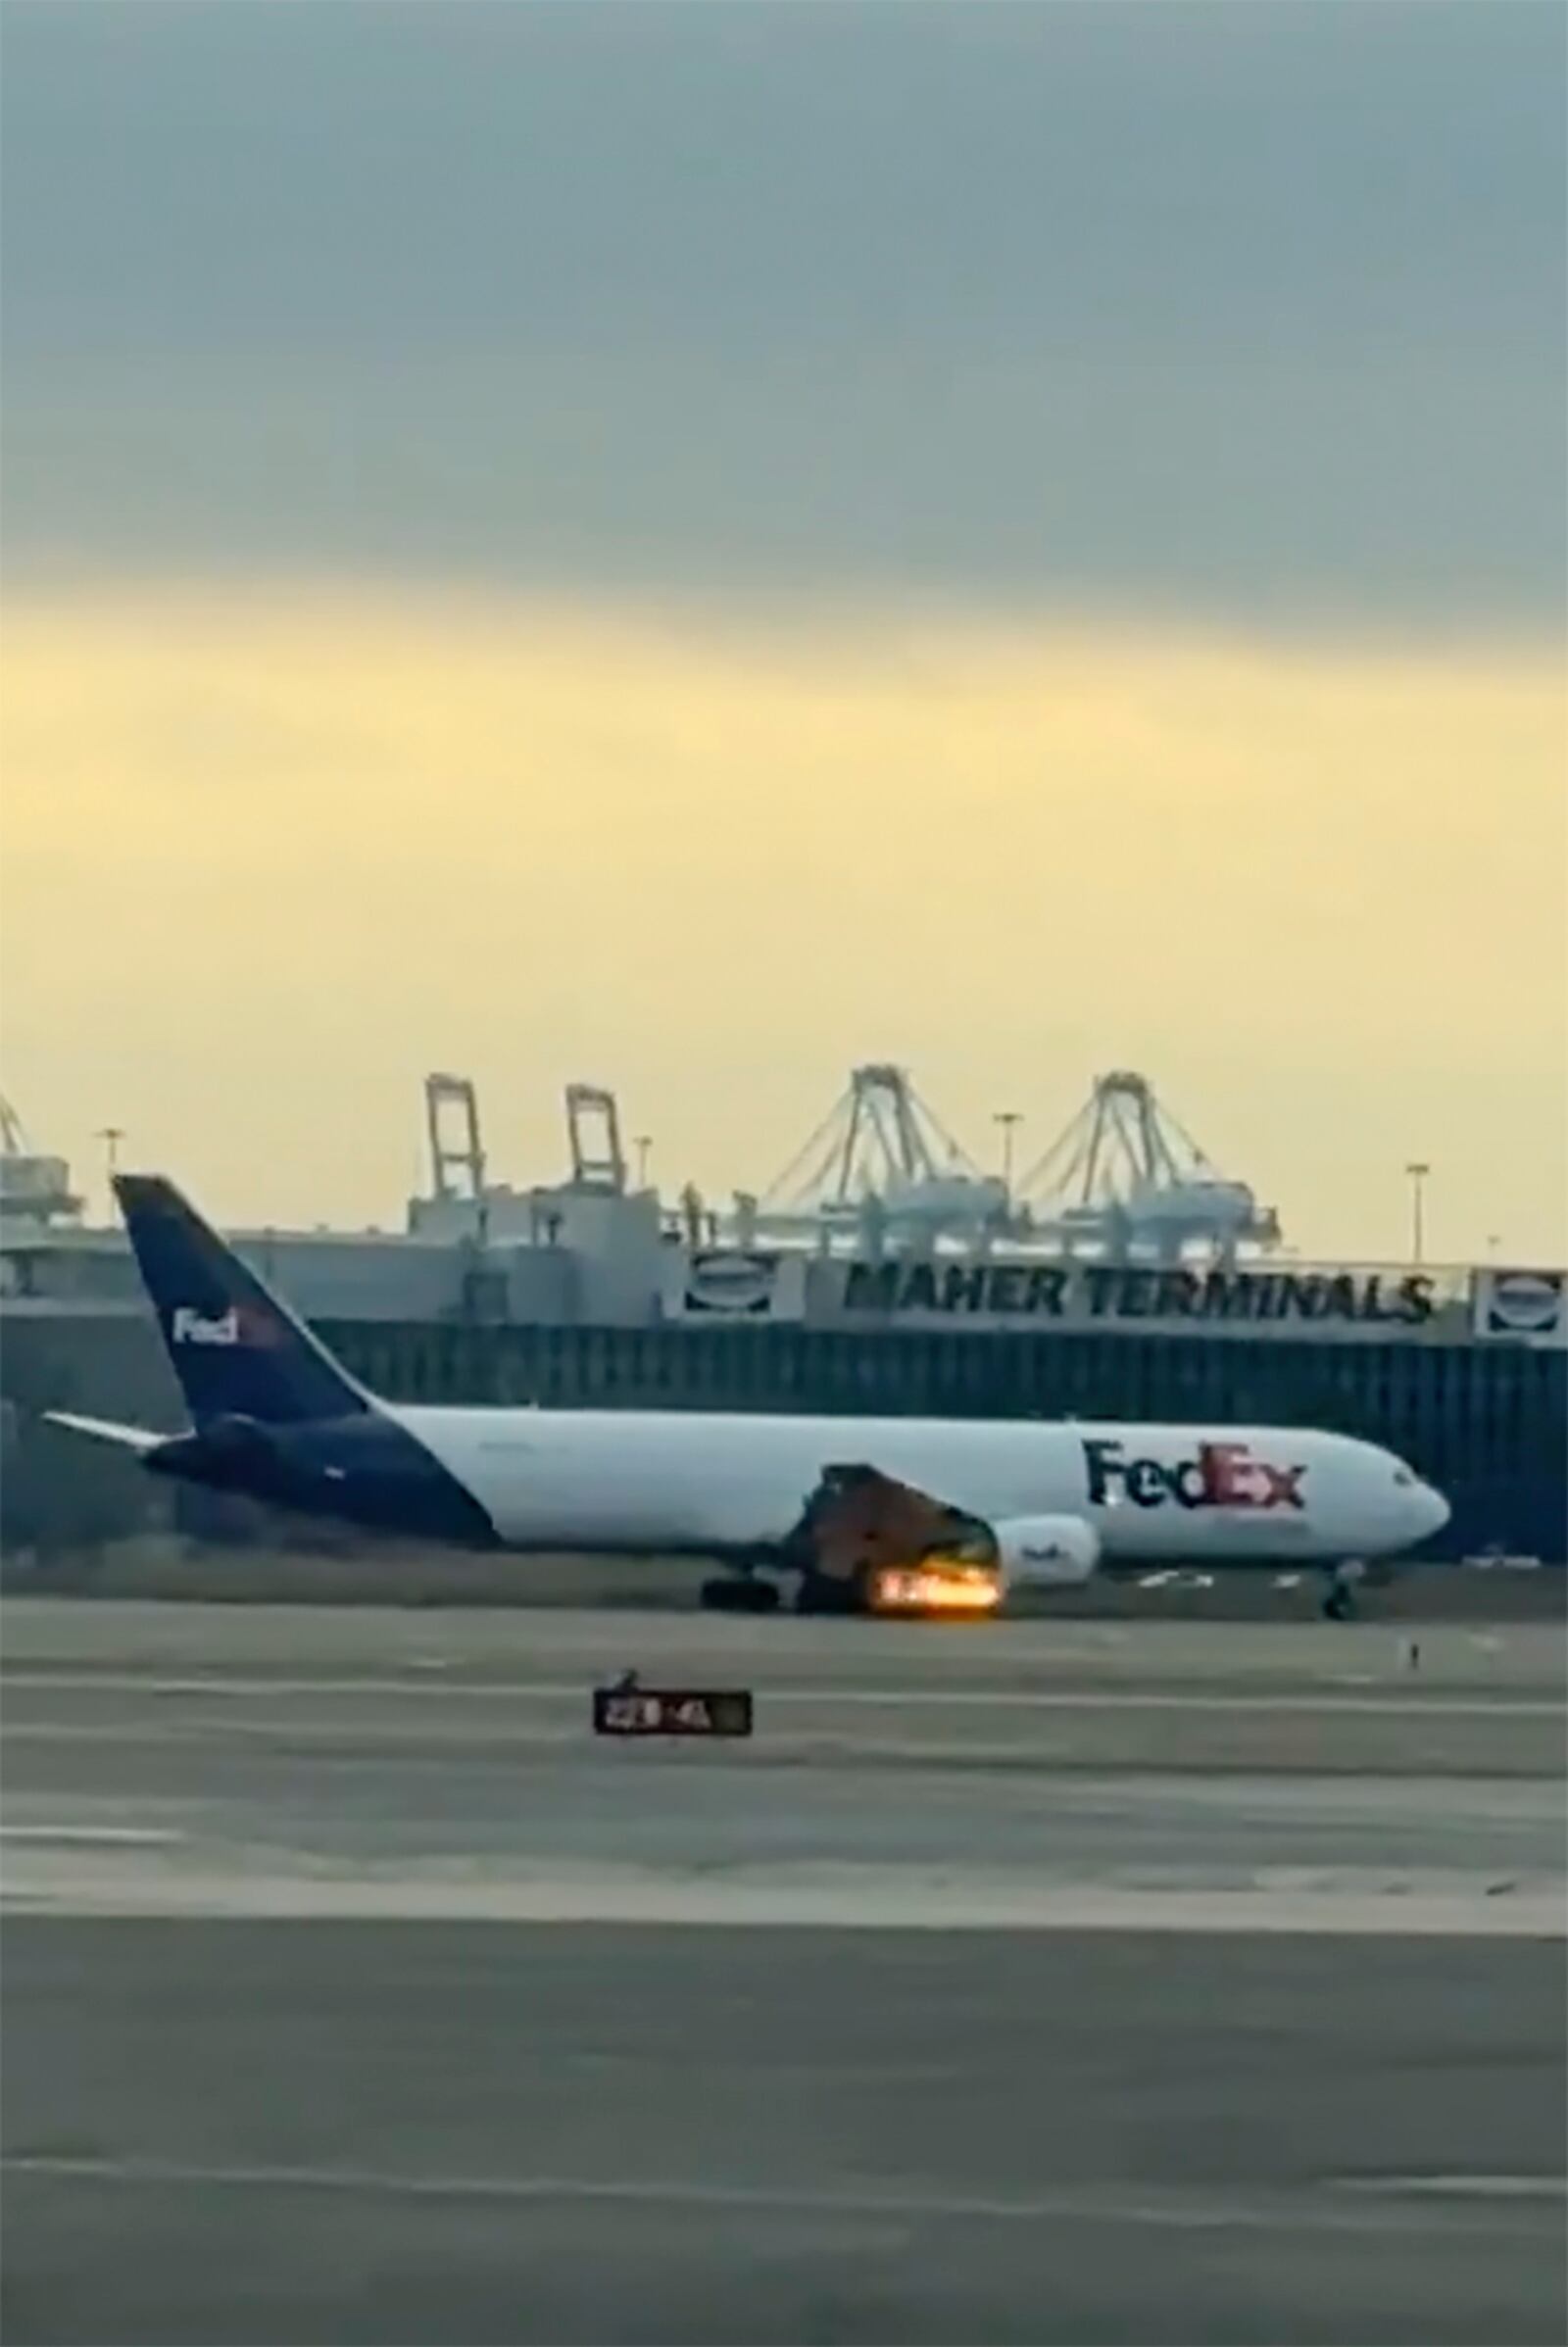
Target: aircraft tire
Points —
{"points": [[825, 1593], [739, 1594]]}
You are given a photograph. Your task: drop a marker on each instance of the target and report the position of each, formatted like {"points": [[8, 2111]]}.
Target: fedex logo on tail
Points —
{"points": [[1221, 1474], [188, 1327], [233, 1326]]}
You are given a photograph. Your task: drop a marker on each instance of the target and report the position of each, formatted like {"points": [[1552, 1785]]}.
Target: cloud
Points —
{"points": [[270, 857], [1253, 313]]}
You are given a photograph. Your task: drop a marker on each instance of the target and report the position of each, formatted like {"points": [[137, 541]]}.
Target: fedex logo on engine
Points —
{"points": [[1221, 1474]]}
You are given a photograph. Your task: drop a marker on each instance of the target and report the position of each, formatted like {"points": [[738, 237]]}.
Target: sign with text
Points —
{"points": [[1119, 1293], [672, 1711]]}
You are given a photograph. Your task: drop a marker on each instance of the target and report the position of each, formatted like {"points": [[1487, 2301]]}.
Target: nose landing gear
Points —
{"points": [[1338, 1598]]}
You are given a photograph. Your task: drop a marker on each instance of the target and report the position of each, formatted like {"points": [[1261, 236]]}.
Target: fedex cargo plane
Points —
{"points": [[881, 1516]]}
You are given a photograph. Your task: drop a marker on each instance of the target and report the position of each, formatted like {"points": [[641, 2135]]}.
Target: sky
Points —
{"points": [[692, 544]]}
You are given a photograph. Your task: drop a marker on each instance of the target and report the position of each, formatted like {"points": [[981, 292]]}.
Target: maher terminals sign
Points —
{"points": [[1105, 1291]]}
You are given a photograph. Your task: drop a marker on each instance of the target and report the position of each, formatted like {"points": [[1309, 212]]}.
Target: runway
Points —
{"points": [[1028, 1983], [179, 1689]]}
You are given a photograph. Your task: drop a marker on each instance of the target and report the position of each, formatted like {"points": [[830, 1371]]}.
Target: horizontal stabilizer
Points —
{"points": [[139, 1439]]}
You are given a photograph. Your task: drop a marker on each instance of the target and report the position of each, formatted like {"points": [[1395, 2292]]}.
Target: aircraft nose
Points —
{"points": [[1435, 1510]]}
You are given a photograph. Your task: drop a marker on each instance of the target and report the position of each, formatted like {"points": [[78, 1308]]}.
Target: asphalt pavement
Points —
{"points": [[226, 2133], [1031, 1984]]}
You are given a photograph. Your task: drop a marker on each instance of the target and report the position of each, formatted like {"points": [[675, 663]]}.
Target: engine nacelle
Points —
{"points": [[1043, 1552]]}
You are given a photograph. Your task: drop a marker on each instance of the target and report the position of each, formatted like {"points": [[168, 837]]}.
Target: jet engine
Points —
{"points": [[1038, 1552]]}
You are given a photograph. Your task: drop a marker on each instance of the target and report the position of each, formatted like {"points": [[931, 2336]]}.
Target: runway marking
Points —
{"points": [[1157, 2206], [842, 1898], [1462, 2187], [139, 1836], [1409, 1704]]}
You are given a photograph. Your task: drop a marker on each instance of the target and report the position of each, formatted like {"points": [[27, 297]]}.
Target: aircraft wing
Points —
{"points": [[139, 1439], [858, 1517]]}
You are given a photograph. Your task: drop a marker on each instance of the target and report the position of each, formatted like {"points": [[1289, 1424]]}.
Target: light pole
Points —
{"points": [[642, 1143], [1009, 1119], [110, 1135], [1418, 1172]]}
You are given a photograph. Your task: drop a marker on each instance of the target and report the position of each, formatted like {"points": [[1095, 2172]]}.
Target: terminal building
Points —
{"points": [[890, 1277]]}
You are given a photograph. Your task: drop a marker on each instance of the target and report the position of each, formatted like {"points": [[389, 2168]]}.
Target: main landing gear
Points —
{"points": [[832, 1594], [951, 1588], [740, 1594], [815, 1593]]}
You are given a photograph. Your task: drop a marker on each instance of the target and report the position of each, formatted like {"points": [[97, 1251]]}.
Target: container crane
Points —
{"points": [[880, 1166], [32, 1188], [1125, 1178]]}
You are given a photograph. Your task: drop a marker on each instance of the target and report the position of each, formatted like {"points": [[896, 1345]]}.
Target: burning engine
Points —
{"points": [[1028, 1552]]}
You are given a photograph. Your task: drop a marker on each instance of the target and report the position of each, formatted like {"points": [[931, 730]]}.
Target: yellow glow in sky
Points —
{"points": [[269, 858]]}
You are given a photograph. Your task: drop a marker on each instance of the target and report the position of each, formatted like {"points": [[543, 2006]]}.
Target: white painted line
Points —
{"points": [[1146, 2205], [1462, 2187], [848, 1898], [139, 1837], [1410, 1703]]}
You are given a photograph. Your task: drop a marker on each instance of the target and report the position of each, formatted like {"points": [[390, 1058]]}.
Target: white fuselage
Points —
{"points": [[709, 1484]]}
